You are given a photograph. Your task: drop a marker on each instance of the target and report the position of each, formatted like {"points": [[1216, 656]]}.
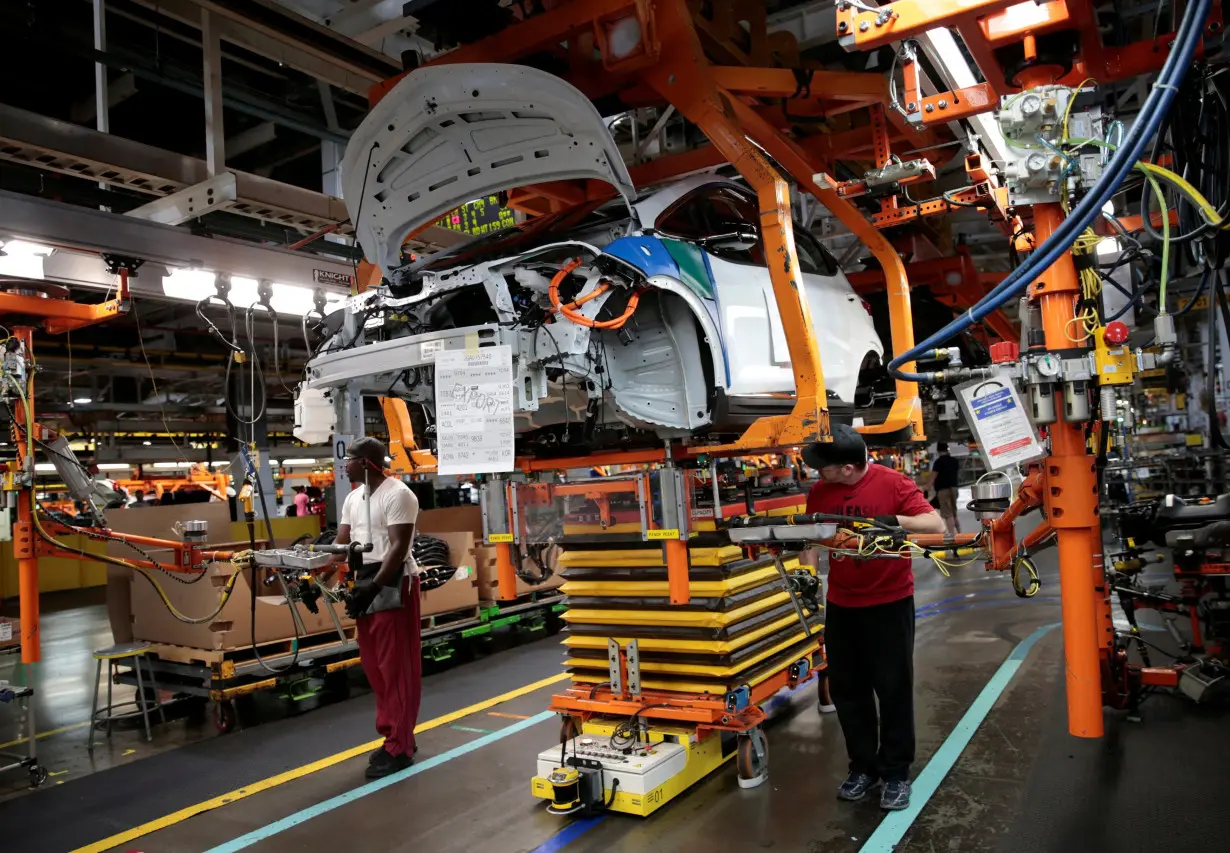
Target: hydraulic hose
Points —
{"points": [[144, 572], [1152, 112]]}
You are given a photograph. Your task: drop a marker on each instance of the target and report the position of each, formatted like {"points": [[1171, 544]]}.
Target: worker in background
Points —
{"points": [[138, 499], [301, 501], [385, 600], [869, 617], [943, 477]]}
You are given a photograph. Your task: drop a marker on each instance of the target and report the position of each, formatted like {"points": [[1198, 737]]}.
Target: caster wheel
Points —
{"points": [[752, 759], [824, 697], [225, 717], [38, 775], [568, 729]]}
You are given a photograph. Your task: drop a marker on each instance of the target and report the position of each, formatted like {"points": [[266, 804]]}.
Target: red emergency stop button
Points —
{"points": [[1116, 333], [1005, 352]]}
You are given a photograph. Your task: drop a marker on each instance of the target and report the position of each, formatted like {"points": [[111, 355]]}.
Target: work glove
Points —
{"points": [[243, 559], [361, 598]]}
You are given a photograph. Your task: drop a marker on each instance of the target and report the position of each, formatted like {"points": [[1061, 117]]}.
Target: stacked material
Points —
{"points": [[739, 628]]}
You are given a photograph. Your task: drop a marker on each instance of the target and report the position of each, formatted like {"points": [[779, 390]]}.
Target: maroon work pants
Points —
{"points": [[392, 656]]}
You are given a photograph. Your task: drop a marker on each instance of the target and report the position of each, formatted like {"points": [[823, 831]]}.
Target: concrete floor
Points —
{"points": [[479, 801]]}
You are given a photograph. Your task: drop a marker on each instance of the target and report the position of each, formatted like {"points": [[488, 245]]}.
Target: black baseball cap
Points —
{"points": [[846, 448], [371, 449]]}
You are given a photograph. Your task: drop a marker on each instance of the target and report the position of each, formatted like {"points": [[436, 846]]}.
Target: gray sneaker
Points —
{"points": [[856, 787], [895, 796]]}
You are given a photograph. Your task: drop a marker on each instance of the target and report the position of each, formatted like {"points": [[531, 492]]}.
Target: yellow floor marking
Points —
{"points": [[48, 733], [299, 772], [507, 716]]}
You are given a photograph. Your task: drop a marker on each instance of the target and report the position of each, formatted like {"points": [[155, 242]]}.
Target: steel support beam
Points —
{"points": [[84, 230], [211, 75], [101, 90], [58, 146], [253, 137], [213, 194], [356, 74]]}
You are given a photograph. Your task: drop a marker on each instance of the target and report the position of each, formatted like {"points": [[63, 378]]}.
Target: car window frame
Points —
{"points": [[707, 190]]}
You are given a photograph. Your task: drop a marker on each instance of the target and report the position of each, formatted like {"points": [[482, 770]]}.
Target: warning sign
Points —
{"points": [[995, 415]]}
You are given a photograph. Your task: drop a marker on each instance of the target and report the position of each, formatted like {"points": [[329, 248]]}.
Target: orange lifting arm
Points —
{"points": [[403, 447], [906, 413], [682, 77]]}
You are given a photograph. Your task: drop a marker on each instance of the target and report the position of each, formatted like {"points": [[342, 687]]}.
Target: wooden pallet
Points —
{"points": [[241, 654], [540, 596], [440, 620]]}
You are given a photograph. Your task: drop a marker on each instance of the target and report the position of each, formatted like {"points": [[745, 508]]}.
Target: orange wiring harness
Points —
{"points": [[569, 310]]}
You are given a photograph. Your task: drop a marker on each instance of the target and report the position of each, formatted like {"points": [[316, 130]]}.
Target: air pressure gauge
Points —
{"points": [[1048, 365]]}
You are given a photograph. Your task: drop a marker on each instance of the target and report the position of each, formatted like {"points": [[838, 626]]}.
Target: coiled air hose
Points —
{"points": [[431, 556]]}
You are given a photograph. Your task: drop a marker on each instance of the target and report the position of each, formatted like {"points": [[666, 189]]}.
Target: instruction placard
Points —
{"points": [[474, 410], [995, 415]]}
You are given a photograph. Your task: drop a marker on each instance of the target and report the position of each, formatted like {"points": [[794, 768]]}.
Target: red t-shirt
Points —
{"points": [[881, 491]]}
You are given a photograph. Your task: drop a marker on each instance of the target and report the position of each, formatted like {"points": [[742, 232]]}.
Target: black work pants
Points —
{"points": [[871, 656]]}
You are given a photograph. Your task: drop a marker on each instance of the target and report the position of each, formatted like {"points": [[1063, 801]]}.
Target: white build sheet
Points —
{"points": [[995, 415], [474, 410]]}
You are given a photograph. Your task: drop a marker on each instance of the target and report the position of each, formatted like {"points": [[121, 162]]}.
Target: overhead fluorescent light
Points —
{"points": [[219, 464], [24, 247], [295, 462], [82, 401], [114, 466], [44, 466], [146, 443], [172, 465], [195, 285]]}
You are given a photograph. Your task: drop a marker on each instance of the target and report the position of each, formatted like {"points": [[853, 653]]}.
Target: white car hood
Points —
{"points": [[448, 134]]}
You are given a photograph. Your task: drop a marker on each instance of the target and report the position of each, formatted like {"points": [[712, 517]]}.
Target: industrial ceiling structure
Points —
{"points": [[226, 120]]}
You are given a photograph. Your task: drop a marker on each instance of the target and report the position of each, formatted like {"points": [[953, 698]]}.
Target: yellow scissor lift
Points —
{"points": [[668, 678]]}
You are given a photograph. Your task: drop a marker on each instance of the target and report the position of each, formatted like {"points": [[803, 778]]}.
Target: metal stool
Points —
{"points": [[135, 652]]}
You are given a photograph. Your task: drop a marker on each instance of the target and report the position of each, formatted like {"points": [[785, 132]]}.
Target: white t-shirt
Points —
{"points": [[392, 503]]}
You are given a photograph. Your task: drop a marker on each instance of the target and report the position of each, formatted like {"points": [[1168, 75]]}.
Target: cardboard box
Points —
{"points": [[460, 593], [10, 632], [488, 576], [232, 627], [454, 519], [457, 594]]}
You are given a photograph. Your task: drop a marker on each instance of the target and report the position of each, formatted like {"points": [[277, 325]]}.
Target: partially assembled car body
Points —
{"points": [[648, 316]]}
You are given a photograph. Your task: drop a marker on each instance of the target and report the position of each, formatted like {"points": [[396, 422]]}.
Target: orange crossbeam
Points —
{"points": [[781, 83], [860, 30]]}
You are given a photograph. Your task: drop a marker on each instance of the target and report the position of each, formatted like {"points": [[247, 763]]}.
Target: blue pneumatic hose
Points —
{"points": [[1150, 117]]}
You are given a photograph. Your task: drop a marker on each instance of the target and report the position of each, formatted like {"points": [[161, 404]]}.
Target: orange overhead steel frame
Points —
{"points": [[953, 281], [986, 26]]}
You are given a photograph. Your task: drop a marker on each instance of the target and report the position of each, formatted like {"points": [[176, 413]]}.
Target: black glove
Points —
{"points": [[361, 598], [887, 521]]}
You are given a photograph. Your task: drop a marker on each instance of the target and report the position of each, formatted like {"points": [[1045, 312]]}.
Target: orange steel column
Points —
{"points": [[1071, 501], [506, 572], [24, 544], [677, 571], [27, 581]]}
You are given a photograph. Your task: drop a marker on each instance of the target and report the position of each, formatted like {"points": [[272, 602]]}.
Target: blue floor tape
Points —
{"points": [[894, 826], [568, 834], [245, 841]]}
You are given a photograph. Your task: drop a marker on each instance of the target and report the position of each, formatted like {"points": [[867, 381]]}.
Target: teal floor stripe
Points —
{"points": [[895, 825], [245, 841]]}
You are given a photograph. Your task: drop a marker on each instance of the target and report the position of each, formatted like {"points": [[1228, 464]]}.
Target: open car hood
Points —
{"points": [[448, 134]]}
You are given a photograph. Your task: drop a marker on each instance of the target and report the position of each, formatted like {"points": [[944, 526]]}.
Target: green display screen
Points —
{"points": [[481, 216]]}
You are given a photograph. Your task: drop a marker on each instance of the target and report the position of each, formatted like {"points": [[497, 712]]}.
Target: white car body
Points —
{"points": [[704, 351]]}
